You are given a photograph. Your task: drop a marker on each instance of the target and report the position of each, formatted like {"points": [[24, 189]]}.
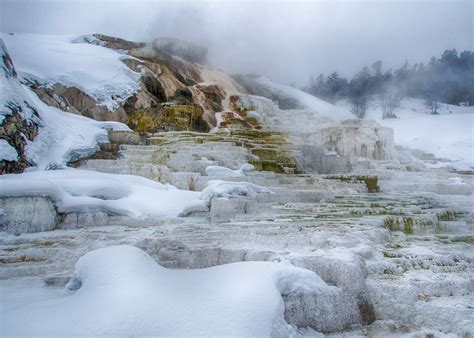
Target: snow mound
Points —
{"points": [[215, 170], [64, 137], [222, 189], [122, 291], [7, 152], [74, 190], [309, 102], [71, 61]]}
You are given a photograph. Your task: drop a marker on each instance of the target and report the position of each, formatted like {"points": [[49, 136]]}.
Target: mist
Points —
{"points": [[284, 40]]}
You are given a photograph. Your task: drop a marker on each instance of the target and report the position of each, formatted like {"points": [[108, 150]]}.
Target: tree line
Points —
{"points": [[448, 79]]}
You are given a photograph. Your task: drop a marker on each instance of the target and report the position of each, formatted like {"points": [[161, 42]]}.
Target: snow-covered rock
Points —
{"points": [[223, 189], [96, 70], [64, 137], [45, 136], [85, 191], [120, 290], [7, 152], [226, 172]]}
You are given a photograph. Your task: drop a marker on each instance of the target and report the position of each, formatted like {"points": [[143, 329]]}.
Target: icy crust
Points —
{"points": [[122, 291], [64, 137], [71, 61], [7, 152], [74, 190]]}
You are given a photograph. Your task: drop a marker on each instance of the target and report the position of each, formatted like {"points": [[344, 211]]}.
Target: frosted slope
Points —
{"points": [[63, 136], [74, 190], [96, 70], [123, 292], [312, 103]]}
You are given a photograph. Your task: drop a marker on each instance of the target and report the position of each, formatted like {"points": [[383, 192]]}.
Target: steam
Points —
{"points": [[284, 40]]}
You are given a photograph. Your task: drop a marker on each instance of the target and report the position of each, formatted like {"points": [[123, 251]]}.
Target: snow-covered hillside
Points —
{"points": [[71, 61], [61, 136], [449, 135]]}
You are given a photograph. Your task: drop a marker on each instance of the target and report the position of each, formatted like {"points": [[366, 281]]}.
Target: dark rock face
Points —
{"points": [[17, 131]]}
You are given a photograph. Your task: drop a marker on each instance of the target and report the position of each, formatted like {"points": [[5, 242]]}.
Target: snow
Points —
{"points": [[63, 136], [222, 189], [11, 93], [310, 102], [216, 170], [448, 135], [74, 190], [7, 152], [69, 60], [120, 290]]}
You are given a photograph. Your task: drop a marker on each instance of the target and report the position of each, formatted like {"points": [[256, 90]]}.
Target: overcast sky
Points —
{"points": [[285, 40]]}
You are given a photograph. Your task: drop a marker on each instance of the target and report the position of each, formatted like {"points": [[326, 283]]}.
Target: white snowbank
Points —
{"points": [[124, 292], [96, 70], [74, 190], [215, 170], [63, 136], [447, 135], [7, 152], [312, 103]]}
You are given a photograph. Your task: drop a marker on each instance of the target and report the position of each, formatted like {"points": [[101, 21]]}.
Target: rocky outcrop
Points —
{"points": [[355, 138], [76, 101], [18, 119], [169, 117]]}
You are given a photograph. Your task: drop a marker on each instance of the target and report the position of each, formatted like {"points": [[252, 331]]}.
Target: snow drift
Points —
{"points": [[122, 291], [74, 190]]}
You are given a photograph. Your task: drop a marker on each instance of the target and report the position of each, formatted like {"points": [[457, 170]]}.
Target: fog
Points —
{"points": [[284, 40]]}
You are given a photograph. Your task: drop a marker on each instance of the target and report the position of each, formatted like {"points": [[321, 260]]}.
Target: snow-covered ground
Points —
{"points": [[448, 135], [120, 290], [69, 60]]}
